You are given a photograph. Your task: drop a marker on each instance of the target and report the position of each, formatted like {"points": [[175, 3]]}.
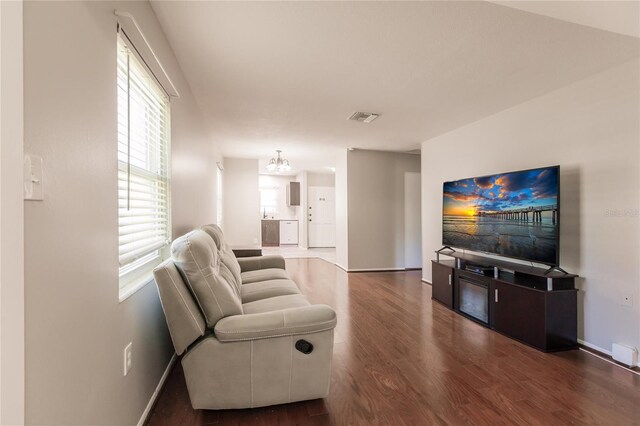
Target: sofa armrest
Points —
{"points": [[286, 322], [260, 262]]}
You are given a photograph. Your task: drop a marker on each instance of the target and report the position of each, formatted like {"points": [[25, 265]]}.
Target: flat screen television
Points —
{"points": [[513, 214]]}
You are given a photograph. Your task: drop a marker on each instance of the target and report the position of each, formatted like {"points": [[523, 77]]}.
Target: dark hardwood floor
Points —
{"points": [[400, 358]]}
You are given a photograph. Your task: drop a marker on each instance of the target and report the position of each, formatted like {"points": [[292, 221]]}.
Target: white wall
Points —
{"points": [[241, 202], [376, 208], [75, 327], [592, 129], [321, 179], [11, 216], [303, 224], [412, 221], [342, 212]]}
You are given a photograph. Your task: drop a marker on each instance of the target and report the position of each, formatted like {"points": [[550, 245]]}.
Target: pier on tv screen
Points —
{"points": [[511, 214]]}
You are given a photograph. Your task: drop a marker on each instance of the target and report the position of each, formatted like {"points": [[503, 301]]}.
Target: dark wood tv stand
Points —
{"points": [[525, 302]]}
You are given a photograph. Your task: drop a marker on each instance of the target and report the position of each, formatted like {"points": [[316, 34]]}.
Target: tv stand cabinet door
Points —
{"points": [[519, 313], [442, 284]]}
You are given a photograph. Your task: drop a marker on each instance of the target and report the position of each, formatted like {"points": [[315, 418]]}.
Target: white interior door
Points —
{"points": [[412, 221], [321, 216]]}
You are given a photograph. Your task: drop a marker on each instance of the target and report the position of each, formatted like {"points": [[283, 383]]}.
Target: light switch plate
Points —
{"points": [[128, 358], [33, 185]]}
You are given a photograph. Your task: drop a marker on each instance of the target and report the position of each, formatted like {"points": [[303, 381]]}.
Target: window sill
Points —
{"points": [[138, 277], [133, 287]]}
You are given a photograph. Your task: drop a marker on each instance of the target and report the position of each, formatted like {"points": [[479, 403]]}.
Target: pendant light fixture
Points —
{"points": [[278, 164]]}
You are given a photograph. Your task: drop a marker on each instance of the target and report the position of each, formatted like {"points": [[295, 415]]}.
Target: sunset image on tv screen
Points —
{"points": [[510, 214]]}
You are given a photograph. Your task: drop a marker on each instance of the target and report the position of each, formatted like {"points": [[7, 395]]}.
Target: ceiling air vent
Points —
{"points": [[364, 117]]}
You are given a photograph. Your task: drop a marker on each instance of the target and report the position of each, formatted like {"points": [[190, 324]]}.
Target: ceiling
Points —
{"points": [[287, 75]]}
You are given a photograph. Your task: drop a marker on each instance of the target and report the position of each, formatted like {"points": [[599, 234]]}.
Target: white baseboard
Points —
{"points": [[156, 392], [594, 347], [376, 270], [606, 352], [426, 282], [340, 266], [371, 269]]}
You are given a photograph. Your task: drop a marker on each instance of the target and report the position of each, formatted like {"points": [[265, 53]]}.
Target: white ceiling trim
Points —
{"points": [[622, 17]]}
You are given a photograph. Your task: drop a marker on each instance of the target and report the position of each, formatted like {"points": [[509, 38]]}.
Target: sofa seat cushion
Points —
{"points": [[275, 304], [266, 289], [264, 275]]}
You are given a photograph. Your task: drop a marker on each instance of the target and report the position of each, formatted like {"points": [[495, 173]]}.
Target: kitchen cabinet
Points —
{"points": [[293, 194], [288, 232], [270, 233]]}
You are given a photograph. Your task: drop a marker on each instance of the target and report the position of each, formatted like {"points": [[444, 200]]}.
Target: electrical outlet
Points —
{"points": [[627, 300], [127, 358]]}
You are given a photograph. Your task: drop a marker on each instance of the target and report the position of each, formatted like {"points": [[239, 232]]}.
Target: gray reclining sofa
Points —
{"points": [[246, 335]]}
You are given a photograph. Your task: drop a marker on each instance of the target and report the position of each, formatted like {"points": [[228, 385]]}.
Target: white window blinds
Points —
{"points": [[143, 164]]}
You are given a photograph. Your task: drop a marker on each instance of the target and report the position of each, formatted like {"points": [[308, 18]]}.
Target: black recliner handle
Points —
{"points": [[304, 346]]}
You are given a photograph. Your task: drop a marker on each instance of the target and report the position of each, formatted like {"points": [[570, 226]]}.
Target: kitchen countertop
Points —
{"points": [[280, 219]]}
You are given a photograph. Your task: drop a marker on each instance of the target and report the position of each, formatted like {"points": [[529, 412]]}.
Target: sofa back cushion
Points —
{"points": [[216, 234], [184, 318], [196, 257], [226, 254]]}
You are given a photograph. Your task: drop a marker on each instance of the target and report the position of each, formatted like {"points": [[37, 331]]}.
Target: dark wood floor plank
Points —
{"points": [[401, 359]]}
